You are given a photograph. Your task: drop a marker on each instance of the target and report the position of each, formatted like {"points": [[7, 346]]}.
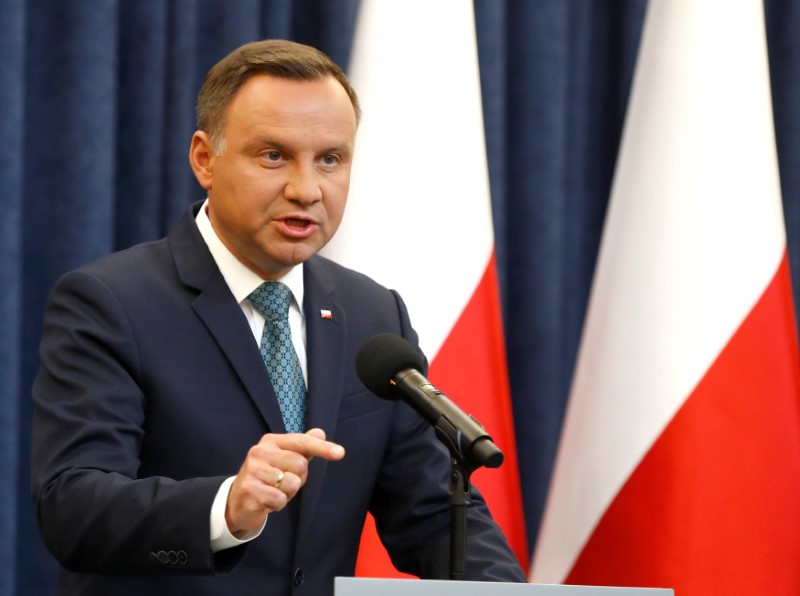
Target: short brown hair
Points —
{"points": [[276, 57]]}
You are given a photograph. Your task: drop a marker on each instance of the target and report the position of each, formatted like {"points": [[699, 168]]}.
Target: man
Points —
{"points": [[161, 461]]}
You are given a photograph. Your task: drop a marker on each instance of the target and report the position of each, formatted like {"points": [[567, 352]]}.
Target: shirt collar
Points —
{"points": [[241, 280]]}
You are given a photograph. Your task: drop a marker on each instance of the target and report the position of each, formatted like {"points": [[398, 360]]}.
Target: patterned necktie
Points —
{"points": [[272, 299]]}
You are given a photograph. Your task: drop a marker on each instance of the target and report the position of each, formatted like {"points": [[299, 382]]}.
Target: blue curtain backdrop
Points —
{"points": [[96, 101]]}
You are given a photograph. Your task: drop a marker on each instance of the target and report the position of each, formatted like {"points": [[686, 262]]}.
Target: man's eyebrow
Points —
{"points": [[340, 148], [263, 141], [259, 142]]}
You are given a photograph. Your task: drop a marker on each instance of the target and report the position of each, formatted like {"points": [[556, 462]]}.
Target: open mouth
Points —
{"points": [[298, 228], [297, 223]]}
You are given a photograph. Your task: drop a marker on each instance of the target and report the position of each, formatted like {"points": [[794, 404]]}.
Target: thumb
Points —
{"points": [[317, 433]]}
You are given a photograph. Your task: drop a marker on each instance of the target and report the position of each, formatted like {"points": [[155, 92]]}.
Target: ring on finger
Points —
{"points": [[281, 476]]}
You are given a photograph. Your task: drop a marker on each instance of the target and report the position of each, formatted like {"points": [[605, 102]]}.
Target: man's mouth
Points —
{"points": [[298, 228], [297, 223]]}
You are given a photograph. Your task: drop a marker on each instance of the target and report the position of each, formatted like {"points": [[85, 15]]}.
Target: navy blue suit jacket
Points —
{"points": [[151, 390]]}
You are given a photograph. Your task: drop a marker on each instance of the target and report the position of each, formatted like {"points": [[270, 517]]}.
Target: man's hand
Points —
{"points": [[272, 473]]}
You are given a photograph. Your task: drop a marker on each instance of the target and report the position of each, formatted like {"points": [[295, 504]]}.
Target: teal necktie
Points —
{"points": [[272, 300]]}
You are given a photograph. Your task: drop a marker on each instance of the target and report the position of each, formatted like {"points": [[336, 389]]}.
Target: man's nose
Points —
{"points": [[303, 184]]}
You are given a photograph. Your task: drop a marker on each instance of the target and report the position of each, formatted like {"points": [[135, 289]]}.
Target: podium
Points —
{"points": [[355, 586]]}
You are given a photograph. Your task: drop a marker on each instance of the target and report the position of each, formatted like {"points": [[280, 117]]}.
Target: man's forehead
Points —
{"points": [[270, 89], [293, 103]]}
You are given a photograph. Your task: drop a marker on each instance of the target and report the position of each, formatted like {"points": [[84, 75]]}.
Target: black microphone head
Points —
{"points": [[380, 358]]}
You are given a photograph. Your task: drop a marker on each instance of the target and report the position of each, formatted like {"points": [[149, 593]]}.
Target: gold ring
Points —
{"points": [[280, 479]]}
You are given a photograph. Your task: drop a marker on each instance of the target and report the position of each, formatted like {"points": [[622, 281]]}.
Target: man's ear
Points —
{"points": [[201, 158]]}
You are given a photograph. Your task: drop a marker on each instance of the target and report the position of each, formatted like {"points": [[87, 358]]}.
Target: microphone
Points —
{"points": [[390, 367]]}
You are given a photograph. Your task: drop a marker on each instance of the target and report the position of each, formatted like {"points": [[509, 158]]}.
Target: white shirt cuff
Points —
{"points": [[221, 537]]}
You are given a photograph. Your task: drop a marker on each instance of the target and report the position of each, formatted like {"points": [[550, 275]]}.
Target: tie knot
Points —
{"points": [[272, 300]]}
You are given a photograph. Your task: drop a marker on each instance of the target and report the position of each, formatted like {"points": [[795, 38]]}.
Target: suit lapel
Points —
{"points": [[226, 322], [326, 368], [219, 311]]}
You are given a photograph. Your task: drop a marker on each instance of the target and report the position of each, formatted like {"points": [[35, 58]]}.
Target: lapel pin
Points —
{"points": [[325, 314]]}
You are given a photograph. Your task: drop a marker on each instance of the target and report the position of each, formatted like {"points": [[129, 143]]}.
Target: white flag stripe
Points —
{"points": [[409, 195], [693, 236]]}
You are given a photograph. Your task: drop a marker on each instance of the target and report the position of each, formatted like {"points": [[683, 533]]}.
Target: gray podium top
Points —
{"points": [[355, 586]]}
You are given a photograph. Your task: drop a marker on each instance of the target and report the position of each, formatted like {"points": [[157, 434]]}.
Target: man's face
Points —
{"points": [[278, 190]]}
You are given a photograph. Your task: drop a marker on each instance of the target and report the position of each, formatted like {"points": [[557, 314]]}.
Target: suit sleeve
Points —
{"points": [[411, 503], [89, 419]]}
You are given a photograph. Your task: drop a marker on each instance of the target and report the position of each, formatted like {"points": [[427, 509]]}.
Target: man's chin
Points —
{"points": [[278, 265]]}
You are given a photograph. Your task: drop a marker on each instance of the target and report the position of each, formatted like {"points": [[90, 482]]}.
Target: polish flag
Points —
{"points": [[679, 463], [419, 220]]}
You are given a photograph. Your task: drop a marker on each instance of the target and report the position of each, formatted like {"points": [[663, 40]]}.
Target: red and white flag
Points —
{"points": [[419, 219], [679, 462]]}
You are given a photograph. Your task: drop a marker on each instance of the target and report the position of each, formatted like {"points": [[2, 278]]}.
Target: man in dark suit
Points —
{"points": [[161, 461]]}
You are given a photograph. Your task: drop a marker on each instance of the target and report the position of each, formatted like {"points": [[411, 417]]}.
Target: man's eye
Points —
{"points": [[330, 160], [272, 155]]}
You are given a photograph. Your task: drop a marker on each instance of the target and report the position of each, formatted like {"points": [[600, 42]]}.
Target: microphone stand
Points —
{"points": [[462, 468], [459, 501]]}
